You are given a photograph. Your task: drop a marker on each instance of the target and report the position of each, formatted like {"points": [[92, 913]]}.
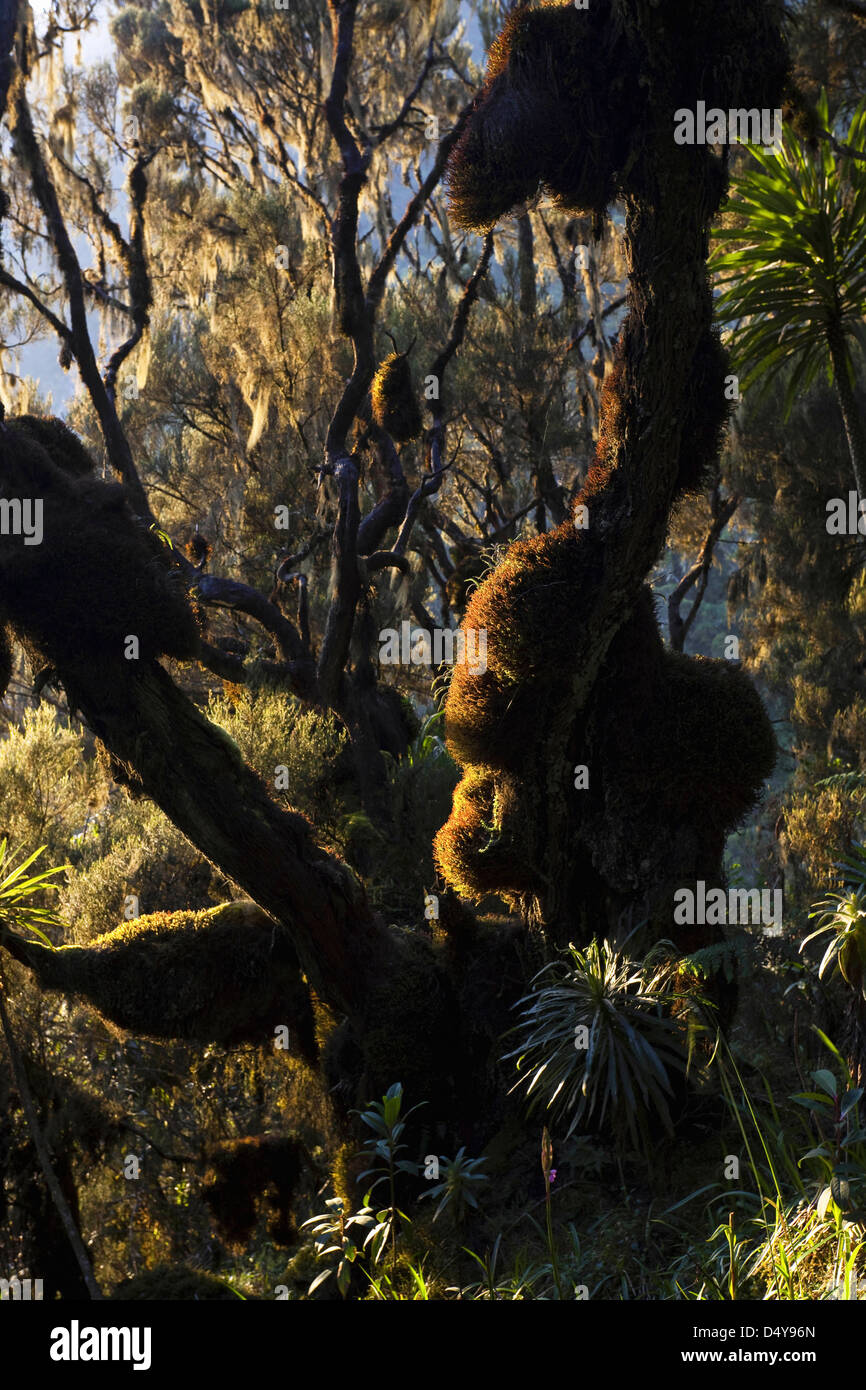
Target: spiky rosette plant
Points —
{"points": [[596, 1042], [842, 915], [17, 889]]}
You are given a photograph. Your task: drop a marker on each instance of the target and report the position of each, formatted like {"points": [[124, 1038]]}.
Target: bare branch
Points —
{"points": [[385, 131], [386, 559], [230, 593], [376, 287], [78, 337], [699, 574], [296, 677], [60, 328]]}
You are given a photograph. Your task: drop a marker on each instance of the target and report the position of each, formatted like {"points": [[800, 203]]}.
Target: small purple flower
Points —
{"points": [[553, 1175]]}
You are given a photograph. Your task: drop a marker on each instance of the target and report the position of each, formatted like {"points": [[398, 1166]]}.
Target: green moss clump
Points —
{"points": [[348, 1164], [61, 444], [714, 711], [225, 975], [394, 400], [686, 745]]}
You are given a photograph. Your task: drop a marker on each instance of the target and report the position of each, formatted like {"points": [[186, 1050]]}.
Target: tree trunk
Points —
{"points": [[855, 429], [600, 769]]}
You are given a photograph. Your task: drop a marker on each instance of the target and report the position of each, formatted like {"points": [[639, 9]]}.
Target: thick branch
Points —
{"points": [[230, 593], [347, 589]]}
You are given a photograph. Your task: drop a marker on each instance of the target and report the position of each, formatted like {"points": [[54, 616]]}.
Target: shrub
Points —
{"points": [[275, 730], [48, 788], [131, 849]]}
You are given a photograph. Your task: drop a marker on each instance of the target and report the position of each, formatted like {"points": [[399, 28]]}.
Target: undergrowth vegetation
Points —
{"points": [[758, 1190]]}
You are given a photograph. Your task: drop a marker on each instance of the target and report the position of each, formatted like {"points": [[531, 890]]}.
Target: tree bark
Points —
{"points": [[855, 429]]}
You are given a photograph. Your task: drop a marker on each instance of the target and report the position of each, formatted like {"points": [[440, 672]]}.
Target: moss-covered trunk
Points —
{"points": [[601, 770]]}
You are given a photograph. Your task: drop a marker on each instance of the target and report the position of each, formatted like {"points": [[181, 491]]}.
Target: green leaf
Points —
{"points": [[813, 1100], [827, 1081]]}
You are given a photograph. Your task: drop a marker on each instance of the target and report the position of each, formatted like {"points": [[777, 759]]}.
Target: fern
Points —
{"points": [[729, 956], [852, 783]]}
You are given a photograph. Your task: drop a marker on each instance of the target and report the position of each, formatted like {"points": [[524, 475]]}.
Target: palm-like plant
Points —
{"points": [[794, 283], [596, 1038], [843, 916], [17, 889]]}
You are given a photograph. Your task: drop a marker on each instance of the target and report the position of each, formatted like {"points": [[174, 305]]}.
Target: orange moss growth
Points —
{"points": [[526, 605], [394, 400], [479, 850], [550, 112], [611, 423], [477, 705], [577, 673]]}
